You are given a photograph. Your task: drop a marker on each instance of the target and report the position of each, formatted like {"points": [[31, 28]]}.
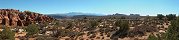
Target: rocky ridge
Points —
{"points": [[14, 18]]}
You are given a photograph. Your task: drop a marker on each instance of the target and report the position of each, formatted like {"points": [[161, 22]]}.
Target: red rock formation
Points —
{"points": [[11, 17], [1, 18]]}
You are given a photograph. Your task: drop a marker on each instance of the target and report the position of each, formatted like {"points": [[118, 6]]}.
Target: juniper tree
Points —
{"points": [[160, 16], [171, 17], [122, 32], [32, 29], [173, 30], [7, 34]]}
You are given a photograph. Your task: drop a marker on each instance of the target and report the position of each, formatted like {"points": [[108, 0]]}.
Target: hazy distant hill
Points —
{"points": [[73, 15], [57, 16], [82, 16]]}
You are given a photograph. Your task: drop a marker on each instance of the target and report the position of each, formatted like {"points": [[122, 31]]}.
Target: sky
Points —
{"points": [[142, 7]]}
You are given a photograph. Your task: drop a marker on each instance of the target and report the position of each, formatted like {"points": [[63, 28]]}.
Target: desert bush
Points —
{"points": [[93, 23], [152, 37], [122, 32], [69, 25]]}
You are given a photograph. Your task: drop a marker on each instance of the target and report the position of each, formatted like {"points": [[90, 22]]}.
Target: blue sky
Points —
{"points": [[143, 7]]}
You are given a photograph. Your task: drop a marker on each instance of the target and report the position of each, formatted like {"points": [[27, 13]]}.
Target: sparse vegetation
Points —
{"points": [[117, 26]]}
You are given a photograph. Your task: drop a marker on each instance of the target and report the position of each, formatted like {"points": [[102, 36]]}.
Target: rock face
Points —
{"points": [[11, 17]]}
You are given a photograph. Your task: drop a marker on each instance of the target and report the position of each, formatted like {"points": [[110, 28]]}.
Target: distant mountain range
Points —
{"points": [[73, 14], [82, 15]]}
